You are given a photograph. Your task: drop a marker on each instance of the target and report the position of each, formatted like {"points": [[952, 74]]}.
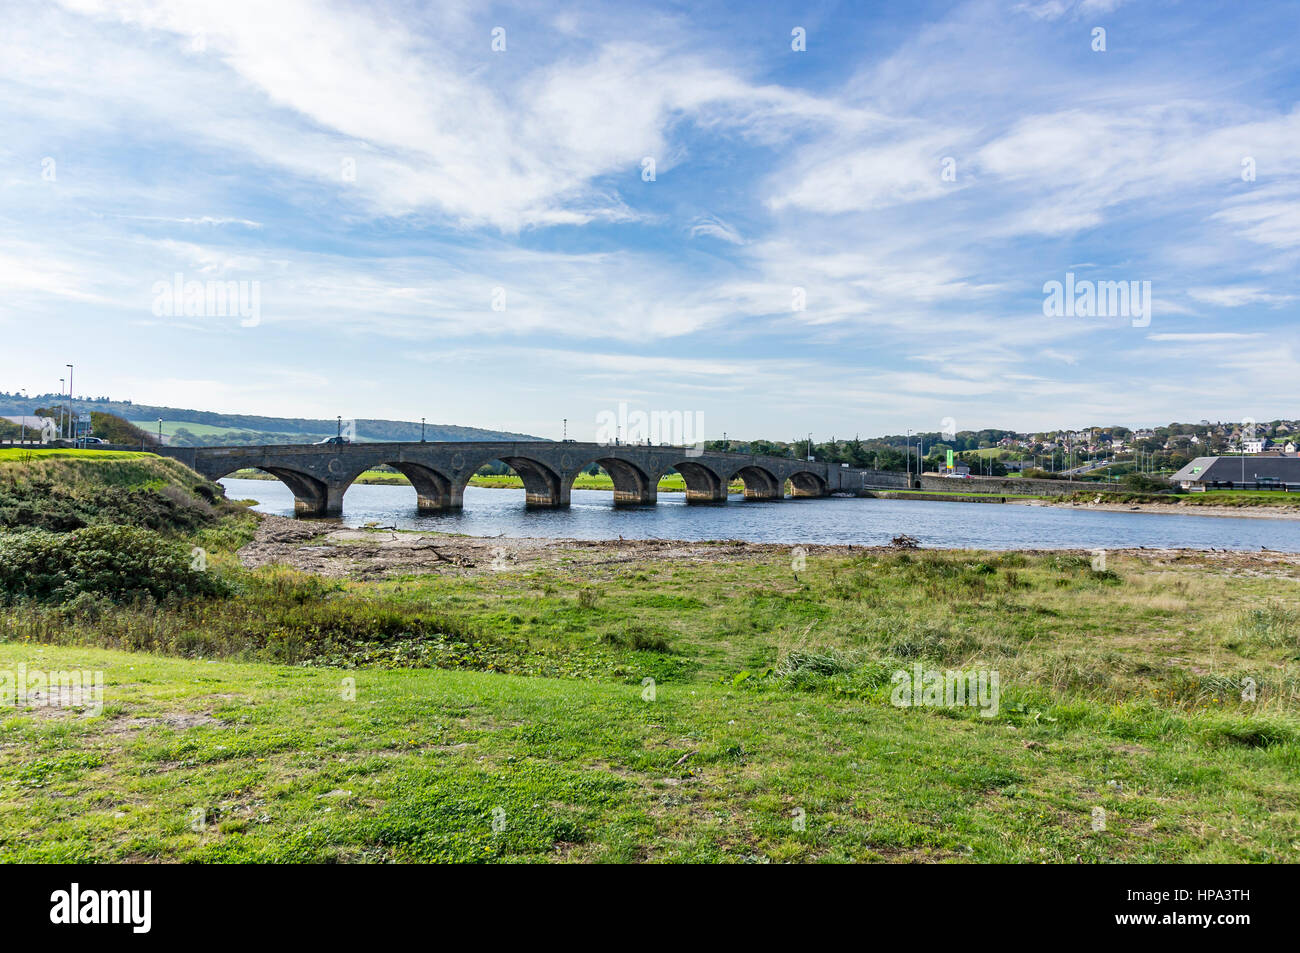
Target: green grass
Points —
{"points": [[1121, 689], [22, 454], [1241, 498]]}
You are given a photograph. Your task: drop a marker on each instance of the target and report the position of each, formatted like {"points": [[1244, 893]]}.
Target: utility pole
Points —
{"points": [[909, 457]]}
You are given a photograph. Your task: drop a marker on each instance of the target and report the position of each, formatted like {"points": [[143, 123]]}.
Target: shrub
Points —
{"points": [[118, 562], [639, 638], [40, 505]]}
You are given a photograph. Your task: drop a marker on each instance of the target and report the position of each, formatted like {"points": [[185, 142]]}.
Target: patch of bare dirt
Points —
{"points": [[338, 552]]}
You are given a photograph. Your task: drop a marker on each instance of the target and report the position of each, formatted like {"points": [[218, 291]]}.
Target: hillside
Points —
{"points": [[189, 428], [63, 490]]}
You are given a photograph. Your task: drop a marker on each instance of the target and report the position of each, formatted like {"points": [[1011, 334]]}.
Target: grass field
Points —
{"points": [[24, 454], [1241, 498], [770, 735], [721, 702], [169, 428]]}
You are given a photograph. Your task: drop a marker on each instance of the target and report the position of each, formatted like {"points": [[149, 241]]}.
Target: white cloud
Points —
{"points": [[716, 228], [1237, 295]]}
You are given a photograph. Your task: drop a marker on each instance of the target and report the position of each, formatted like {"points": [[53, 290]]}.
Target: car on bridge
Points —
{"points": [[333, 440]]}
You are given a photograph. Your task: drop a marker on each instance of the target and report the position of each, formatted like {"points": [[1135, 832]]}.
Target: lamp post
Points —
{"points": [[160, 431], [564, 433], [71, 426], [909, 457], [421, 430], [340, 430]]}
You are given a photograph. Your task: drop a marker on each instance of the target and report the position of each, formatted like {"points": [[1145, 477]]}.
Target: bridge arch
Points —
{"points": [[807, 483], [433, 489], [704, 484], [760, 482], [311, 495], [634, 485], [544, 487]]}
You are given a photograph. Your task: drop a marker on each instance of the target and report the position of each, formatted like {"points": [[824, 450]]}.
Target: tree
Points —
{"points": [[116, 429]]}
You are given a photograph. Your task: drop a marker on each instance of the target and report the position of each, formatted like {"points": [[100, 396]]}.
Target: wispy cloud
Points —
{"points": [[662, 204]]}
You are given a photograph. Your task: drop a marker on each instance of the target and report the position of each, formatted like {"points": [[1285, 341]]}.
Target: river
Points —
{"points": [[592, 515]]}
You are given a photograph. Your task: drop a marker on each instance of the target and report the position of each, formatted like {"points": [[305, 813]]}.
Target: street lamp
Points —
{"points": [[421, 430], [160, 431], [340, 430], [71, 425]]}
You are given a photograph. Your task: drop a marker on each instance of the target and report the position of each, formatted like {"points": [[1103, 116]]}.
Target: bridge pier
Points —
{"points": [[706, 496]]}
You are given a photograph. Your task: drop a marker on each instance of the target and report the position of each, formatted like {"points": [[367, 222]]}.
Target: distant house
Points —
{"points": [[1255, 444], [1240, 473], [42, 429]]}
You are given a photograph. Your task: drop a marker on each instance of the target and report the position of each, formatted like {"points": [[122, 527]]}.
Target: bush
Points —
{"points": [[39, 504], [1145, 483], [117, 562]]}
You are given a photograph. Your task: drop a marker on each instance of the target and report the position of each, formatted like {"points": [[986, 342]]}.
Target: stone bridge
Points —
{"points": [[319, 474]]}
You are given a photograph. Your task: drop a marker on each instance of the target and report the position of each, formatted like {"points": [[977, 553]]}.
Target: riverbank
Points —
{"points": [[1177, 507], [379, 553]]}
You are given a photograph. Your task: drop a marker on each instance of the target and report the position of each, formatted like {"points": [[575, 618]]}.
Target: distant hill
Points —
{"points": [[190, 428]]}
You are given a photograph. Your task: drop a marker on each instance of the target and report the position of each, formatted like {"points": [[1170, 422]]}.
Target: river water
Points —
{"points": [[592, 515]]}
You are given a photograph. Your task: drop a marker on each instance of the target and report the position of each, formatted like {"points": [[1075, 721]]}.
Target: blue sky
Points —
{"points": [[144, 139]]}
